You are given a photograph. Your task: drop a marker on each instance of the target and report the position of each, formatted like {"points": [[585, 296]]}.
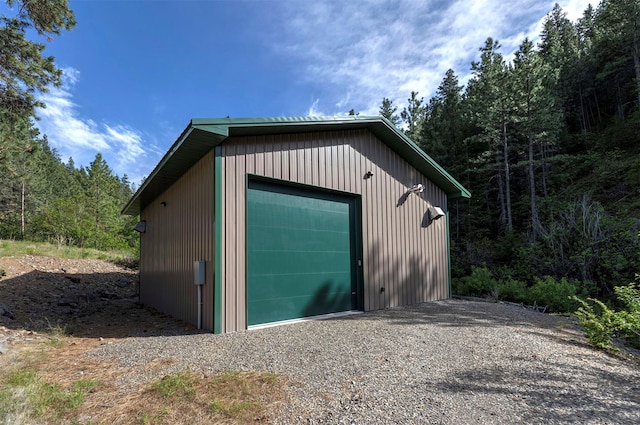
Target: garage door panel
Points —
{"points": [[272, 238], [299, 253], [296, 285], [327, 299], [294, 217], [297, 262]]}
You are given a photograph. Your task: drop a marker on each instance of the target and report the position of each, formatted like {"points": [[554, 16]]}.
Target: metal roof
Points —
{"points": [[203, 134]]}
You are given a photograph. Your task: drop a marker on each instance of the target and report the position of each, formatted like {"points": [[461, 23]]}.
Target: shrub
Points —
{"points": [[629, 317], [512, 290], [602, 323], [598, 321], [557, 295], [478, 284]]}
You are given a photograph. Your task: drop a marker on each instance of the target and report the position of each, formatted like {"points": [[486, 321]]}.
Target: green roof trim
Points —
{"points": [[203, 134]]}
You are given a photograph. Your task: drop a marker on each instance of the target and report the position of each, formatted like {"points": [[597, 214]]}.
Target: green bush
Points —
{"points": [[512, 290], [629, 317], [480, 283], [602, 323], [598, 321], [557, 295]]}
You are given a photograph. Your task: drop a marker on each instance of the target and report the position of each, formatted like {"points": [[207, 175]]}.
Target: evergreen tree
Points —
{"points": [[560, 51], [441, 133], [536, 115], [618, 24], [491, 105], [388, 110], [413, 116], [18, 157], [23, 68]]}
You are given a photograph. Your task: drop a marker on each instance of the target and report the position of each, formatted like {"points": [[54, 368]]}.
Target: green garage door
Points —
{"points": [[300, 253]]}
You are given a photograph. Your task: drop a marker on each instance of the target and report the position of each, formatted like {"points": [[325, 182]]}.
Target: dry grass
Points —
{"points": [[54, 383]]}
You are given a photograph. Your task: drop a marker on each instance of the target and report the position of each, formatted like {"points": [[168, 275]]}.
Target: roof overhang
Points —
{"points": [[202, 135]]}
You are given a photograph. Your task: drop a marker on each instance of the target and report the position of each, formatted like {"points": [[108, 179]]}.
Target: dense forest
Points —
{"points": [[546, 140], [41, 197], [44, 199], [548, 143]]}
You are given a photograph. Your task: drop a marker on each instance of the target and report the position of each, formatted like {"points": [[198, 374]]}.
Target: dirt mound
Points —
{"points": [[83, 298]]}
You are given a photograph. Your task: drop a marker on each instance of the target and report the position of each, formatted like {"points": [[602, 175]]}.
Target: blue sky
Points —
{"points": [[136, 71]]}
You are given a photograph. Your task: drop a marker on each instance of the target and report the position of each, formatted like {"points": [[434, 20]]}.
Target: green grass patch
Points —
{"points": [[237, 396], [44, 249], [21, 378], [182, 384], [26, 397]]}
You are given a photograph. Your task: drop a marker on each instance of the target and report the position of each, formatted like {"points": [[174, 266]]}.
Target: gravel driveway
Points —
{"points": [[449, 362]]}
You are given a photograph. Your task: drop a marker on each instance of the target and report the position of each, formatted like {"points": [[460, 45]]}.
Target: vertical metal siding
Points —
{"points": [[407, 259], [177, 235]]}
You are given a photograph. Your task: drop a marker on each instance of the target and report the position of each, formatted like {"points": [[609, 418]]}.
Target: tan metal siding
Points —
{"points": [[407, 259], [177, 235]]}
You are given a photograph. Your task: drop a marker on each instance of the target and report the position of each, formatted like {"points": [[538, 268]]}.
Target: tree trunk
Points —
{"points": [[507, 179], [535, 221], [636, 65], [457, 221], [22, 209], [595, 96], [503, 209], [545, 155], [583, 115]]}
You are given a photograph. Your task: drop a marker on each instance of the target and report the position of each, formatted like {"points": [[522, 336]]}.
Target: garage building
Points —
{"points": [[248, 222]]}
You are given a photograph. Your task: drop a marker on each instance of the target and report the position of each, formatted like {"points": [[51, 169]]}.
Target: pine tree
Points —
{"points": [[19, 154], [23, 68], [491, 105], [413, 116], [617, 25], [560, 51], [441, 133], [388, 110], [536, 115]]}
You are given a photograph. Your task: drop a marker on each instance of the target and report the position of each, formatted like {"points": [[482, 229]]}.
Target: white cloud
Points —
{"points": [[344, 102], [313, 110], [128, 142], [388, 48], [575, 8], [80, 138]]}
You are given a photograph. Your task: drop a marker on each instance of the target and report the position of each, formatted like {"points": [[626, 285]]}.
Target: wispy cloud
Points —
{"points": [[313, 110], [388, 48], [81, 138]]}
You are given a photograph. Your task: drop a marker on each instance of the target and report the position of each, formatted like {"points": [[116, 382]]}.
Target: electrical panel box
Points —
{"points": [[198, 272]]}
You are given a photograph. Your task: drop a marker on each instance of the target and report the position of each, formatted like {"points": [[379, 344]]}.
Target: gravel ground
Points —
{"points": [[447, 362]]}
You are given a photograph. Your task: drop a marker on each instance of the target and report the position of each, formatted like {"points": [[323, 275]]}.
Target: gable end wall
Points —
{"points": [[400, 254]]}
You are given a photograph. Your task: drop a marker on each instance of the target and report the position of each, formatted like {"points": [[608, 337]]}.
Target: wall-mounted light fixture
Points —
{"points": [[141, 226], [368, 175], [163, 203], [416, 188], [435, 213]]}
